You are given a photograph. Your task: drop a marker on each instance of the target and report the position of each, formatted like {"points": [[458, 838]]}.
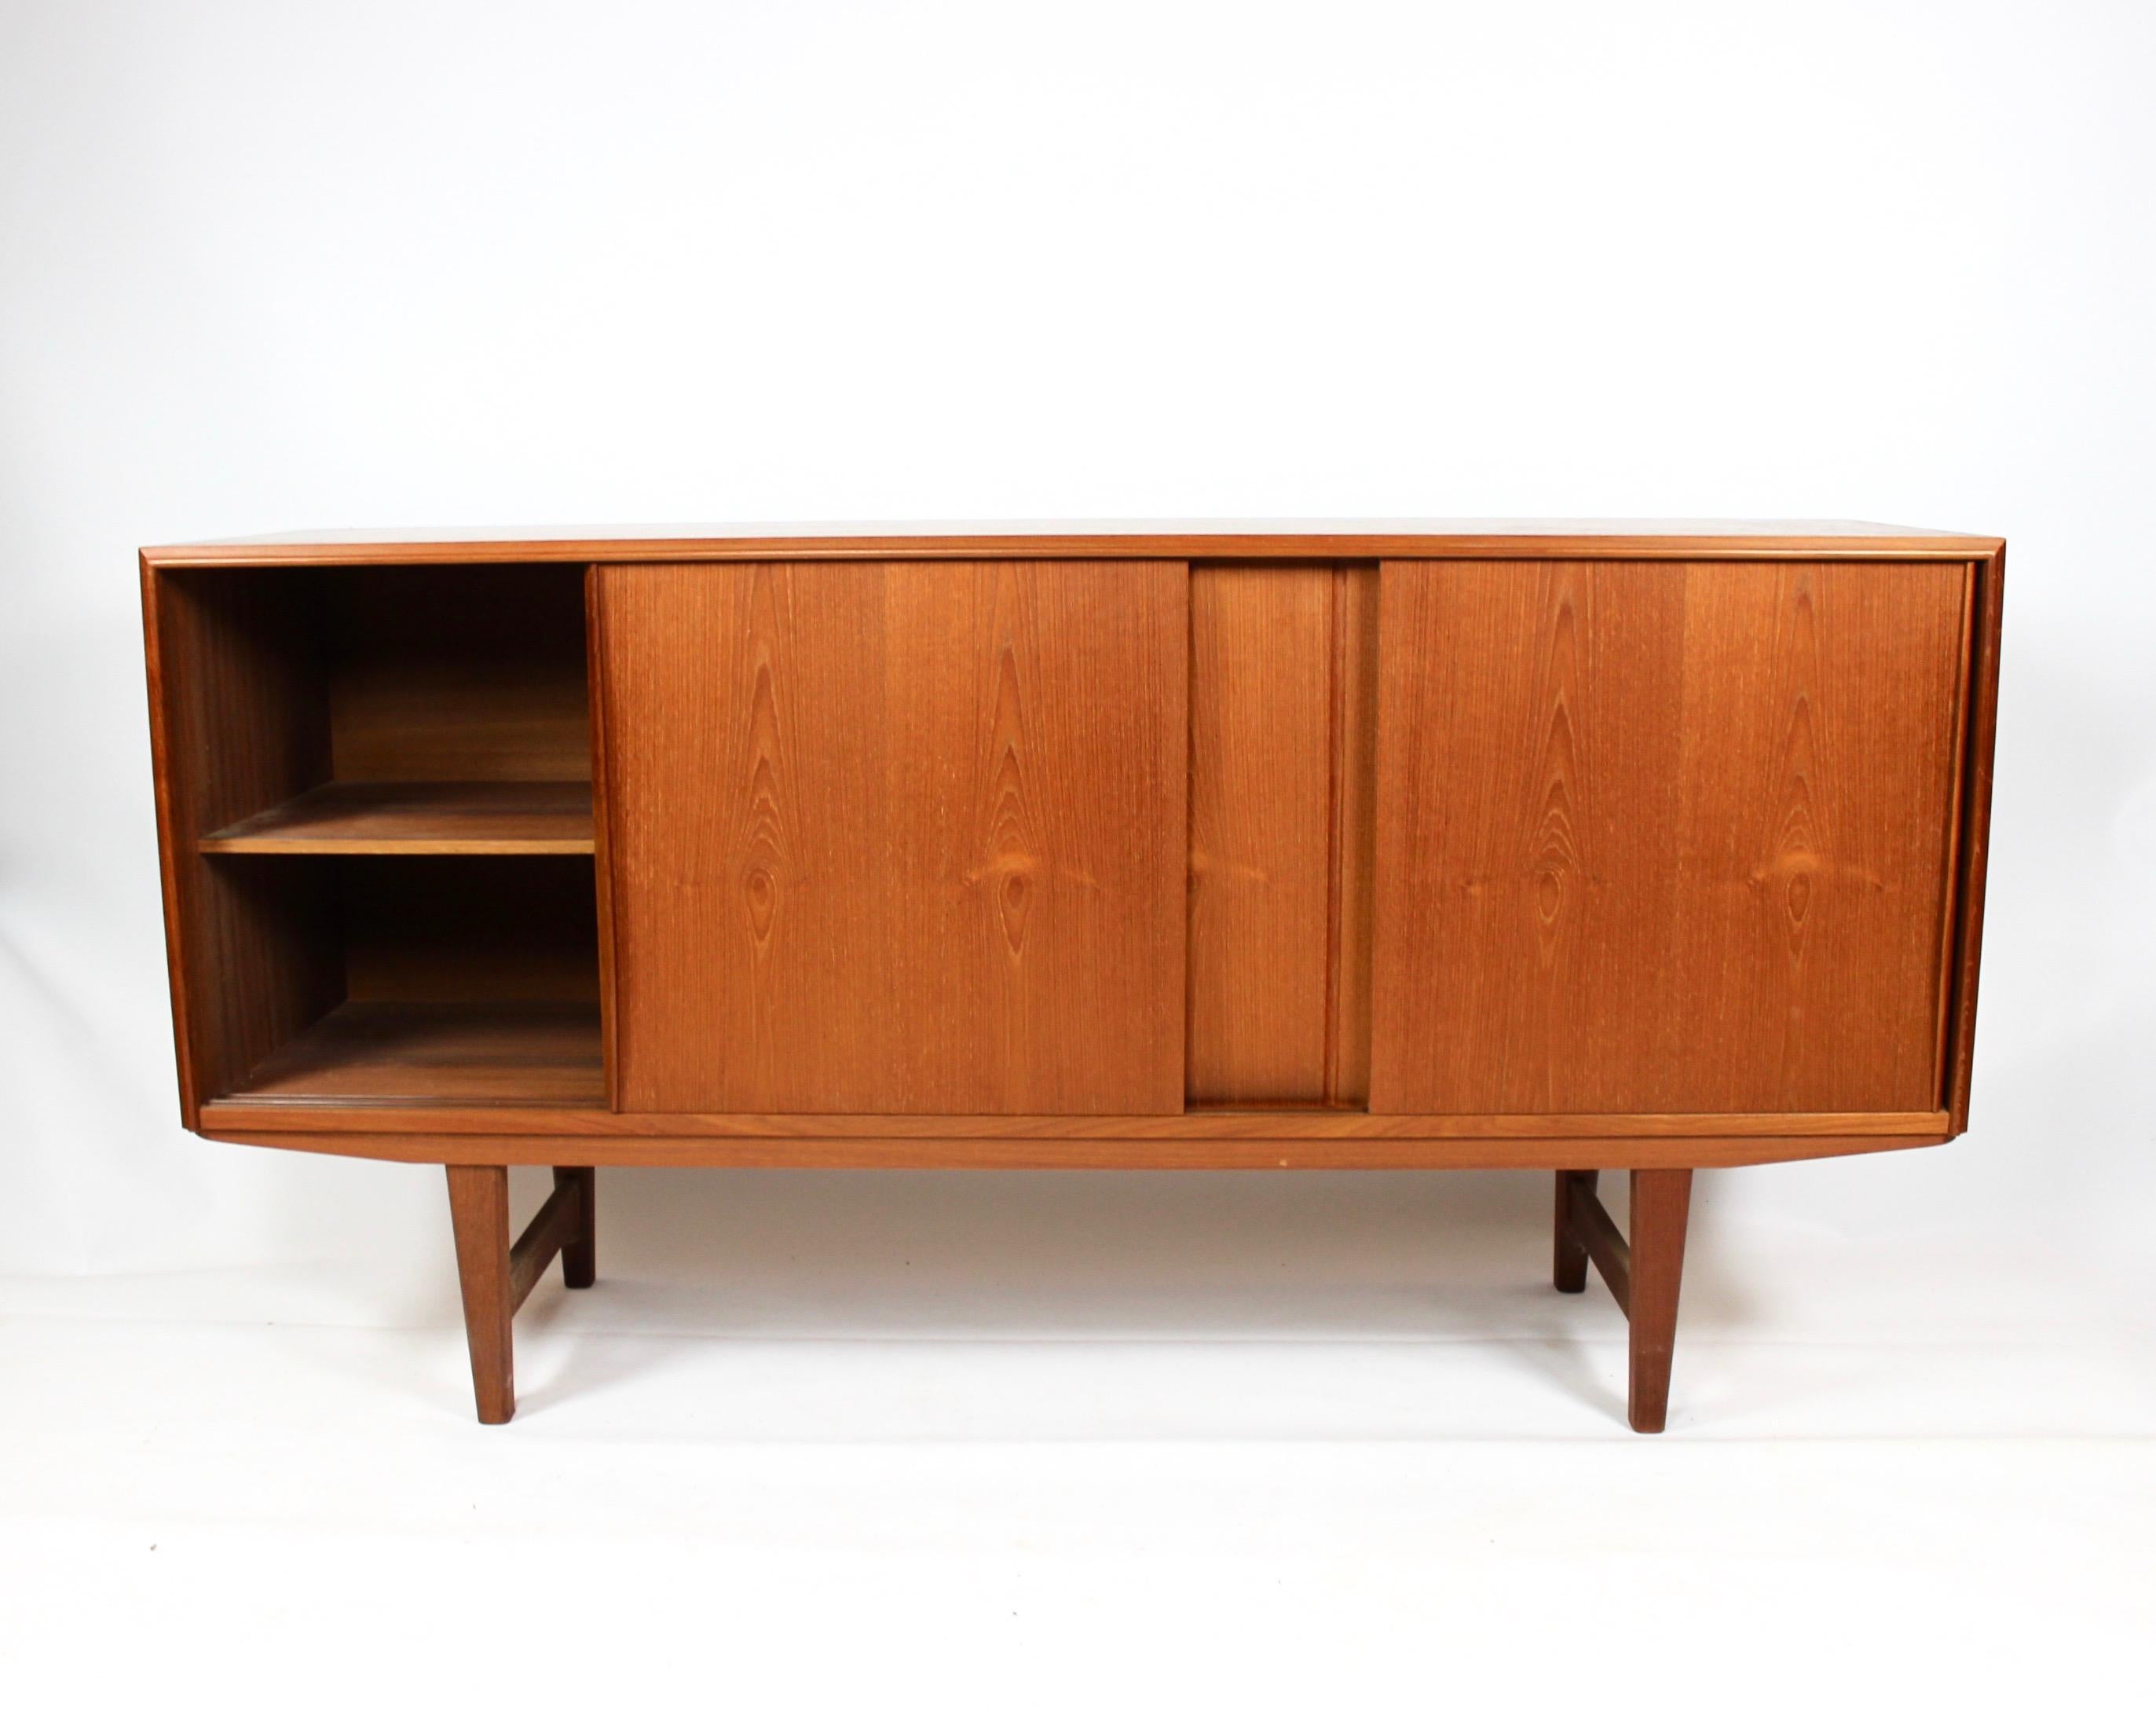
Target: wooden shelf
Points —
{"points": [[463, 819], [450, 1053]]}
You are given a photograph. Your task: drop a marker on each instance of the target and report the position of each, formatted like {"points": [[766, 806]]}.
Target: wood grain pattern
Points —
{"points": [[1118, 1154], [1352, 816], [1662, 838], [277, 652], [1950, 892], [413, 1052], [1565, 847], [478, 1216], [237, 722], [897, 839], [475, 674], [559, 1223], [580, 1249], [262, 686], [495, 1276], [603, 859], [1973, 850], [464, 818], [1200, 1124], [463, 928], [1643, 1272], [1567, 1253], [1183, 539], [1261, 781], [1662, 1208], [1282, 679], [1599, 1239]]}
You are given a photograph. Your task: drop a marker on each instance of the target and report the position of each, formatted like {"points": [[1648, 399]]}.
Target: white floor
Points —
{"points": [[837, 1440]]}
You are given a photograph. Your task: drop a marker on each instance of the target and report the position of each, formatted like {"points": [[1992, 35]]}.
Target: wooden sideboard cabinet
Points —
{"points": [[1563, 848]]}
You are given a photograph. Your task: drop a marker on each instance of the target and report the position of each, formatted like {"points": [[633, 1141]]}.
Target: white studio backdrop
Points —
{"points": [[266, 265]]}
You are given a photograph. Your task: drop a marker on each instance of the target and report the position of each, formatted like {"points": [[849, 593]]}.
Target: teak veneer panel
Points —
{"points": [[463, 819], [1664, 837], [895, 838], [1283, 678]]}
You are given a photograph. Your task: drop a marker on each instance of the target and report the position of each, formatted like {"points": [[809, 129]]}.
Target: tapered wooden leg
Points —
{"points": [[1662, 1203], [580, 1251], [479, 1210], [1569, 1266]]}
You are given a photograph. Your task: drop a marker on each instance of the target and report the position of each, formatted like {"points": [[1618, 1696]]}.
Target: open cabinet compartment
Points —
{"points": [[462, 980], [377, 820]]}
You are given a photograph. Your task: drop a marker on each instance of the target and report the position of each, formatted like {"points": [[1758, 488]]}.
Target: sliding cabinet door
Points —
{"points": [[1283, 682], [1664, 838], [895, 838]]}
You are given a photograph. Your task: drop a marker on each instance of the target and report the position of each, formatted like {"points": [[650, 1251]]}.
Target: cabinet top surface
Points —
{"points": [[1364, 538]]}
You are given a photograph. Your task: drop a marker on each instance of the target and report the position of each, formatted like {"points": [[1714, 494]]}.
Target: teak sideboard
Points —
{"points": [[1574, 847]]}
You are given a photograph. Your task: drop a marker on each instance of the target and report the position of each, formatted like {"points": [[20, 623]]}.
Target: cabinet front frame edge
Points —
{"points": [[1949, 916], [1195, 550], [602, 815], [1315, 1123], [1972, 834], [165, 760]]}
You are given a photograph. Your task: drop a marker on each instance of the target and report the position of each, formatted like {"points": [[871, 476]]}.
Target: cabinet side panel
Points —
{"points": [[1663, 837], [897, 839], [1990, 577]]}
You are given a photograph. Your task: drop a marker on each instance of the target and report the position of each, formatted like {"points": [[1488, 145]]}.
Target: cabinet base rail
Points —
{"points": [[1643, 1271]]}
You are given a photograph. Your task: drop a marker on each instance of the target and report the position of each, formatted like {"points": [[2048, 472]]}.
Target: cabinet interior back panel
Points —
{"points": [[896, 838], [1664, 838], [461, 673], [1283, 663]]}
